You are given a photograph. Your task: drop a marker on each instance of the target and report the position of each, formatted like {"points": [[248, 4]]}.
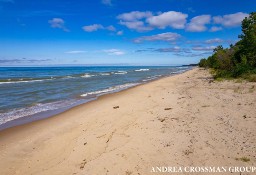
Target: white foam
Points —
{"points": [[142, 70], [87, 76], [152, 78], [104, 74], [21, 81], [111, 89], [121, 72], [23, 112], [68, 77]]}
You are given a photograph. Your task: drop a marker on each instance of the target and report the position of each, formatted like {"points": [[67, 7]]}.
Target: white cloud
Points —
{"points": [[230, 20], [197, 24], [114, 52], [215, 40], [208, 48], [215, 29], [106, 2], [58, 23], [120, 32], [134, 15], [75, 51], [136, 25], [146, 21], [95, 27], [92, 28], [135, 20], [175, 49], [143, 21], [110, 28], [169, 37], [176, 20]]}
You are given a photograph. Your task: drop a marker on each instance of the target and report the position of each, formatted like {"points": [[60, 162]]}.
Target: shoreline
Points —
{"points": [[181, 120], [47, 114]]}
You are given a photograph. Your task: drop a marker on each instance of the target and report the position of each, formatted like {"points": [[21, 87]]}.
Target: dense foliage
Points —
{"points": [[240, 59]]}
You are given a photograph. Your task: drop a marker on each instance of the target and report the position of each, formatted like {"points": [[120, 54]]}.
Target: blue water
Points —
{"points": [[27, 91]]}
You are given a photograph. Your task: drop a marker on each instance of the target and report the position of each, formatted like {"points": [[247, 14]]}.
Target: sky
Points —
{"points": [[117, 32]]}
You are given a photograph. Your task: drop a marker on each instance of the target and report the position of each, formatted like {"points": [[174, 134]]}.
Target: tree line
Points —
{"points": [[239, 60]]}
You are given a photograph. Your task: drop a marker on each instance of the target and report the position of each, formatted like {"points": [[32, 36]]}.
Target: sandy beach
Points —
{"points": [[182, 120]]}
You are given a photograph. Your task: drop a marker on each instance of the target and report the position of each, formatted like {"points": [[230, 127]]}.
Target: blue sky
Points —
{"points": [[144, 32]]}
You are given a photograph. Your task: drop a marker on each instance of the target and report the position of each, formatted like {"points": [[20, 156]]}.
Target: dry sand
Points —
{"points": [[183, 120]]}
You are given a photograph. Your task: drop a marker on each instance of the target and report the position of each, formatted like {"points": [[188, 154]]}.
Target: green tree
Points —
{"points": [[203, 63], [240, 59], [218, 48], [247, 44]]}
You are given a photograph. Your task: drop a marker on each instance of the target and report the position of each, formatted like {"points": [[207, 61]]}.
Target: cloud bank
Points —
{"points": [[168, 37], [143, 21], [146, 21]]}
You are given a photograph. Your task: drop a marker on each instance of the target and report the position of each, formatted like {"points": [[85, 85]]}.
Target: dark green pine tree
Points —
{"points": [[247, 44]]}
